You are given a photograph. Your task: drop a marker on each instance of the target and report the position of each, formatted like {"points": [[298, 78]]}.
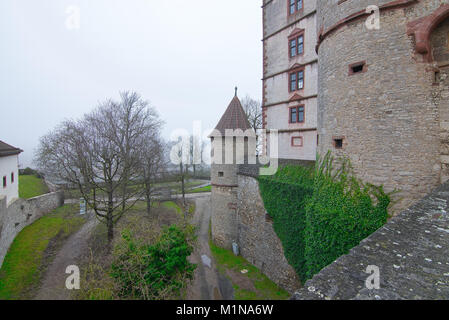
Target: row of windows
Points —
{"points": [[5, 182]]}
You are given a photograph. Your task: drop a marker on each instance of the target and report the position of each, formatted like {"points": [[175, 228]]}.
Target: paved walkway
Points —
{"points": [[411, 251]]}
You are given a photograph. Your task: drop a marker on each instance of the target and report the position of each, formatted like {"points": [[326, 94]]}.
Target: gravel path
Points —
{"points": [[53, 283], [208, 283]]}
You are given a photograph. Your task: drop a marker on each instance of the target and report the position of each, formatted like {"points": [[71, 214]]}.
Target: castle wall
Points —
{"points": [[224, 216], [257, 240], [385, 115], [22, 213], [440, 92]]}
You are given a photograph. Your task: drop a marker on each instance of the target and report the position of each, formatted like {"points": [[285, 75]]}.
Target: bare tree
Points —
{"points": [[100, 155], [153, 164], [253, 111]]}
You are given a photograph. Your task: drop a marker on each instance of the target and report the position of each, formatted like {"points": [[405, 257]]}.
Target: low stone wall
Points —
{"points": [[21, 213], [258, 241]]}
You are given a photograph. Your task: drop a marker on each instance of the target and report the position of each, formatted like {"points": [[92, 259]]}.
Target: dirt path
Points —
{"points": [[53, 284], [208, 283]]}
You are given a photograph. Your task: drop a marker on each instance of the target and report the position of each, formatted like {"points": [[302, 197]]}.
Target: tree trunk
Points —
{"points": [[182, 186], [148, 199], [110, 220]]}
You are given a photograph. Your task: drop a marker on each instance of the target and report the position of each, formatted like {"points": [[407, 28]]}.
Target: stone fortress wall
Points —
{"points": [[21, 213], [393, 116]]}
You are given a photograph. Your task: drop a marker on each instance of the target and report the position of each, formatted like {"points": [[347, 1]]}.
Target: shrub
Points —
{"points": [[321, 214], [153, 272]]}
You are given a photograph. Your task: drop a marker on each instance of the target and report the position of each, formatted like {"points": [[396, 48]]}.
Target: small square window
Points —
{"points": [[338, 143], [358, 67], [221, 174]]}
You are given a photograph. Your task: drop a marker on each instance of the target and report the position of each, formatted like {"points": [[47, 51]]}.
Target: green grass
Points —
{"points": [[172, 205], [200, 190], [265, 288], [31, 186], [23, 265]]}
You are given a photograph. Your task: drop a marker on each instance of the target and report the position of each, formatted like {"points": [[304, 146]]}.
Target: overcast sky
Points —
{"points": [[185, 57]]}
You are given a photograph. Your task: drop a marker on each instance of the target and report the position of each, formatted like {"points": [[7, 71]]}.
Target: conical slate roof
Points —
{"points": [[233, 118]]}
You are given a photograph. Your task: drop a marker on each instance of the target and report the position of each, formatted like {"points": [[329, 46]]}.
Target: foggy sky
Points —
{"points": [[185, 57]]}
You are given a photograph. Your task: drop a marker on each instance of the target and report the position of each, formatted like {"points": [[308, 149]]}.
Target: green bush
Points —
{"points": [[153, 272], [319, 215]]}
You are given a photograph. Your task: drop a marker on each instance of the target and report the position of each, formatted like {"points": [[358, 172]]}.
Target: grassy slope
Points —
{"points": [[200, 190], [22, 268], [31, 186], [265, 288]]}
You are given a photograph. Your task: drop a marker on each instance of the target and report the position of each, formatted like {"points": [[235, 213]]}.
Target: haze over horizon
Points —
{"points": [[183, 57]]}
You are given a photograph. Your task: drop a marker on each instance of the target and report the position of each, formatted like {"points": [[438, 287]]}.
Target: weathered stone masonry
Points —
{"points": [[393, 117], [257, 239]]}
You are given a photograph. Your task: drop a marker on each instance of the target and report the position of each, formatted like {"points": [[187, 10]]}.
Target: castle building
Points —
{"points": [[290, 76], [383, 93]]}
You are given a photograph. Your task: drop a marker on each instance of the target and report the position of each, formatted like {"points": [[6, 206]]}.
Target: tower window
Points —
{"points": [[221, 174], [4, 181], [12, 177], [297, 46], [296, 80], [358, 67], [338, 143], [297, 114], [294, 6]]}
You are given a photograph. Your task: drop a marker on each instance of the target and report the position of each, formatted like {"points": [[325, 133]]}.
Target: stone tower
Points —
{"points": [[233, 143], [383, 92]]}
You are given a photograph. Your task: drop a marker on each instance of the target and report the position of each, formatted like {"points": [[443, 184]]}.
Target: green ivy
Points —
{"points": [[321, 213]]}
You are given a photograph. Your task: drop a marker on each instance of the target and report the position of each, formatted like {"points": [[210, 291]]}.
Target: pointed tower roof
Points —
{"points": [[233, 118]]}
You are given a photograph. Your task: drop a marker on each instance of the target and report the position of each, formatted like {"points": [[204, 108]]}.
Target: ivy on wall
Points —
{"points": [[320, 213]]}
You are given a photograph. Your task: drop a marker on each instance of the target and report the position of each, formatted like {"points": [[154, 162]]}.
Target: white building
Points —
{"points": [[290, 72], [9, 172]]}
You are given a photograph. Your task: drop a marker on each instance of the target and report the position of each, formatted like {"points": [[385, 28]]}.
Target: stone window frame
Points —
{"points": [[334, 140], [297, 114], [297, 71], [294, 36], [289, 13], [300, 145], [360, 63]]}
